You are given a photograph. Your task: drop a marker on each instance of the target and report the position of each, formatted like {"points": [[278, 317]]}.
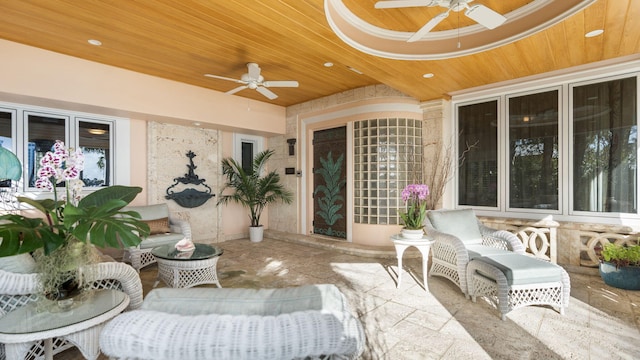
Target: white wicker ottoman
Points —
{"points": [[511, 281], [306, 322]]}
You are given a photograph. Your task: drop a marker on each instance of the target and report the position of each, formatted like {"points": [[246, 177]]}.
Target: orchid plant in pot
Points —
{"points": [[414, 196], [61, 239]]}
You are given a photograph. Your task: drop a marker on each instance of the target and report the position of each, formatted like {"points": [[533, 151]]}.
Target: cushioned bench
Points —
{"points": [[206, 323], [513, 280], [164, 229]]}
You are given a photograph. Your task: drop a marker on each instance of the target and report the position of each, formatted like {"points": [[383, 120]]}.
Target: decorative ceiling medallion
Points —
{"points": [[436, 45]]}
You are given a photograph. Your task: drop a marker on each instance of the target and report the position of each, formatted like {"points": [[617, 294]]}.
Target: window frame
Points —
{"points": [[570, 195], [565, 82], [119, 141], [507, 163]]}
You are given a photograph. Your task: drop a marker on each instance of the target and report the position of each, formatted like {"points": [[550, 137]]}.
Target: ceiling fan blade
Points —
{"points": [[428, 27], [239, 88], [391, 4], [266, 92], [281, 83], [224, 78], [254, 70], [485, 16]]}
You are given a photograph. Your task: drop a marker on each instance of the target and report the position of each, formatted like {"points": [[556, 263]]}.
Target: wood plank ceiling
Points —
{"points": [[291, 40]]}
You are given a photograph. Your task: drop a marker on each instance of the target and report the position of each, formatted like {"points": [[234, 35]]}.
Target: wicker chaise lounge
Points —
{"points": [[493, 264], [204, 323]]}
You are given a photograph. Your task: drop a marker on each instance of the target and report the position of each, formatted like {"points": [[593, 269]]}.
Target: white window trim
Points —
{"points": [[120, 139], [565, 81], [238, 139]]}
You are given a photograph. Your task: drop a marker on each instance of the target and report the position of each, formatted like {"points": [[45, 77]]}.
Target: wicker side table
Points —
{"points": [[187, 269]]}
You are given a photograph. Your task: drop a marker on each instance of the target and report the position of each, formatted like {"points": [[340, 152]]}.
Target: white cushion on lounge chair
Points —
{"points": [[459, 223], [523, 269]]}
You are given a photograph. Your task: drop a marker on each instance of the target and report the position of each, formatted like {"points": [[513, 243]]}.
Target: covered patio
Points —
{"points": [[407, 323]]}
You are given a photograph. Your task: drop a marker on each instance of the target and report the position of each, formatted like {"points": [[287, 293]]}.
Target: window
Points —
{"points": [[478, 149], [533, 151], [6, 137], [386, 152], [605, 137], [572, 155], [245, 149], [94, 138], [30, 132], [42, 133]]}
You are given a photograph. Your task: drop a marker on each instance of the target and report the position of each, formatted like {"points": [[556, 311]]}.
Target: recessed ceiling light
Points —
{"points": [[95, 42], [196, 124], [328, 64], [428, 75], [594, 33]]}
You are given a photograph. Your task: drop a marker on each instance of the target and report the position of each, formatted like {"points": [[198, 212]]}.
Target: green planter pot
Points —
{"points": [[626, 277]]}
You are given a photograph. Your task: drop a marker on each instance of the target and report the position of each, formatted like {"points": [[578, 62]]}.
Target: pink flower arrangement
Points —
{"points": [[414, 195], [61, 165]]}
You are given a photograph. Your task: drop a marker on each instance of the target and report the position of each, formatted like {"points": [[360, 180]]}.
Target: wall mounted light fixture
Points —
{"points": [[292, 146]]}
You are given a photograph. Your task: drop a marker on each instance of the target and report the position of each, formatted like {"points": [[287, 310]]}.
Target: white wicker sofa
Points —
{"points": [[165, 229], [19, 286], [206, 323]]}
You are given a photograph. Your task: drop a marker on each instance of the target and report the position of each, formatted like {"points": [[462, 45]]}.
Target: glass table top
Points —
{"points": [[32, 318], [201, 252]]}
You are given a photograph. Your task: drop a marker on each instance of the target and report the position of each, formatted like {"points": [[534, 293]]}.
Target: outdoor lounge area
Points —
{"points": [[278, 151], [406, 323]]}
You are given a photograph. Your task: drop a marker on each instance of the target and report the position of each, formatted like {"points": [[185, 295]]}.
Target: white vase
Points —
{"points": [[412, 234], [256, 233]]}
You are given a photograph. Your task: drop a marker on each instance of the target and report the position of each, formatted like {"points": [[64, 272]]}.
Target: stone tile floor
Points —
{"points": [[409, 323]]}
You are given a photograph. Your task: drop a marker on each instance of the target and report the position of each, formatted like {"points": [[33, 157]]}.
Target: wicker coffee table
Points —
{"points": [[80, 325], [184, 269]]}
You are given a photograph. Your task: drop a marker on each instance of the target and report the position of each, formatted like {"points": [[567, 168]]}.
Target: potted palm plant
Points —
{"points": [[253, 189], [620, 265]]}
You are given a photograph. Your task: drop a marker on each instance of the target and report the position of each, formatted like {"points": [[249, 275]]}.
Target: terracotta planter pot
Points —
{"points": [[626, 277]]}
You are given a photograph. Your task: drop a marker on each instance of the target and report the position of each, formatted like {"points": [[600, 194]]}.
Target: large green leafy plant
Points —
{"points": [[621, 255], [96, 218], [250, 188]]}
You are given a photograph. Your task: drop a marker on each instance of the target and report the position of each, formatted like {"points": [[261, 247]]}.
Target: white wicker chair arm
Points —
{"points": [[145, 334], [109, 275], [180, 226], [18, 284], [501, 239]]}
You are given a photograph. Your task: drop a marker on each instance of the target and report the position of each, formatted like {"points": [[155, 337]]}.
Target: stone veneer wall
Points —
{"points": [[167, 148]]}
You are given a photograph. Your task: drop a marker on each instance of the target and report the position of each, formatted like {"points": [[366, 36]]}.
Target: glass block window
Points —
{"points": [[387, 157]]}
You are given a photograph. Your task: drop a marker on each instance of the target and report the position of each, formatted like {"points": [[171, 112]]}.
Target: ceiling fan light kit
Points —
{"points": [[255, 81]]}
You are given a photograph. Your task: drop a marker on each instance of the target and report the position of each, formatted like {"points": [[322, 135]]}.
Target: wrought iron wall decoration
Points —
{"points": [[189, 197]]}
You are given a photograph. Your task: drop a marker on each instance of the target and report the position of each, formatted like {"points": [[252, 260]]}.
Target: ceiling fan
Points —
{"points": [[253, 80], [480, 13]]}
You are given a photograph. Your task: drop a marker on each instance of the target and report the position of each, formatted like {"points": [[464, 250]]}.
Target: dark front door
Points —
{"points": [[329, 180]]}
